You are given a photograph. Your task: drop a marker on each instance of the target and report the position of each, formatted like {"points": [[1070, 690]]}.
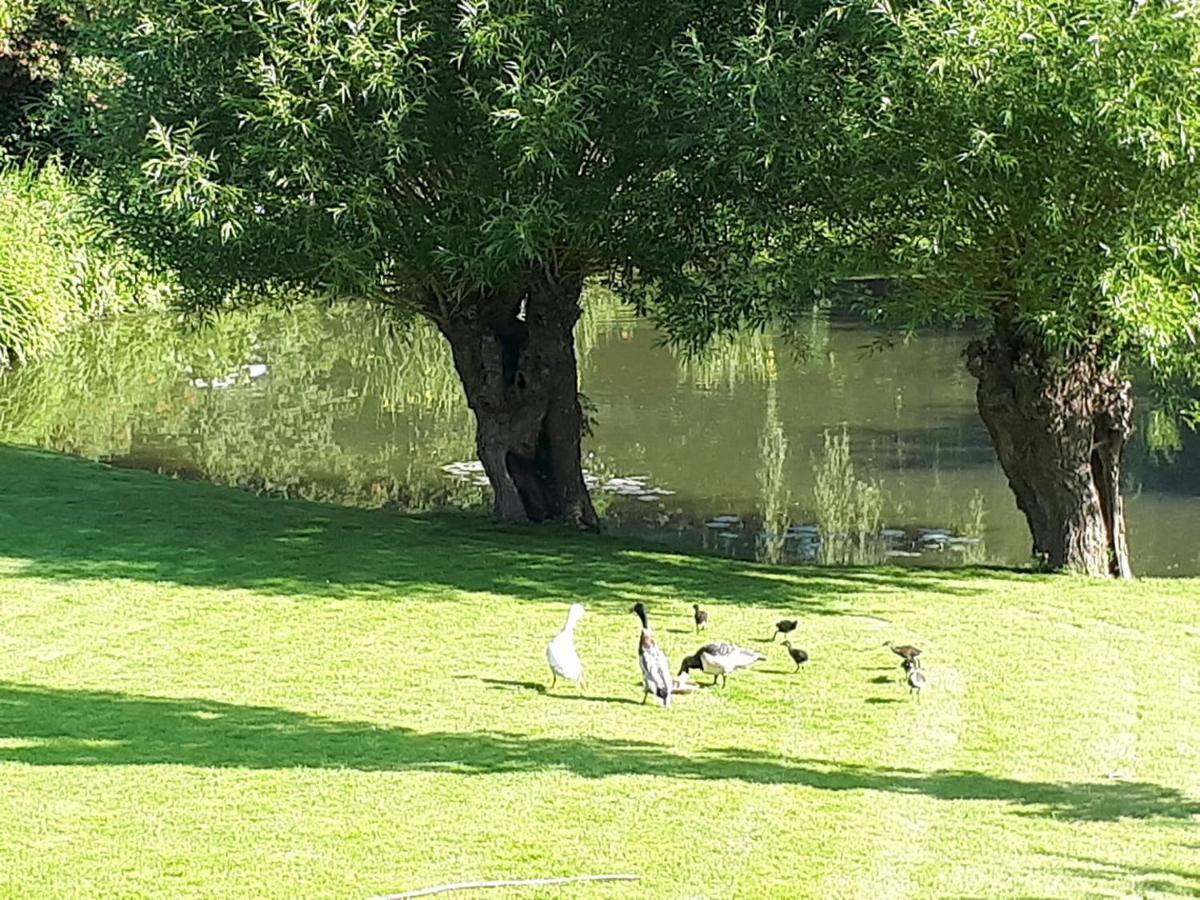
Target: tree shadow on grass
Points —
{"points": [[1141, 879], [73, 519], [46, 726]]}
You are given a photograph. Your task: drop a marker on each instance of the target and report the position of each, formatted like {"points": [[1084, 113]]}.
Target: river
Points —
{"points": [[828, 453]]}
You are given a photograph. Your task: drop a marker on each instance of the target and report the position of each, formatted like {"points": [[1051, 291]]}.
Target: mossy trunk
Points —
{"points": [[1060, 431], [515, 356]]}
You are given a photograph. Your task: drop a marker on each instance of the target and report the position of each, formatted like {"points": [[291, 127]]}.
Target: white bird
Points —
{"points": [[720, 660], [656, 670], [561, 653], [916, 681]]}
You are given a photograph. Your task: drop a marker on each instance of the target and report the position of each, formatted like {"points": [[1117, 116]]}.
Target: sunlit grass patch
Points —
{"points": [[208, 693]]}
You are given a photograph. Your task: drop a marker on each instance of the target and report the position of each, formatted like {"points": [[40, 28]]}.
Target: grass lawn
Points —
{"points": [[203, 692]]}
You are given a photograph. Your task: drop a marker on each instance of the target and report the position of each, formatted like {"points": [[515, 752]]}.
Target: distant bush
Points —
{"points": [[35, 48], [59, 263]]}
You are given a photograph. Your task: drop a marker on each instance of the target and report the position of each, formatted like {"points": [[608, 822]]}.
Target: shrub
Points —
{"points": [[59, 263]]}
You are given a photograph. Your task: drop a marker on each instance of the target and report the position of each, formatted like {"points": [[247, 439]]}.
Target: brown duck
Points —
{"points": [[904, 651]]}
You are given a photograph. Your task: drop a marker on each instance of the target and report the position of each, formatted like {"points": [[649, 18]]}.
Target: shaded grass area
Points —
{"points": [[294, 548], [91, 728], [206, 693]]}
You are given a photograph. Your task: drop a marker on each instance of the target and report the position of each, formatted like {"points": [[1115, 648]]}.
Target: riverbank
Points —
{"points": [[207, 692]]}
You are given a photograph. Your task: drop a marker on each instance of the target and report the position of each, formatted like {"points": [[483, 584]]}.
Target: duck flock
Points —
{"points": [[719, 659]]}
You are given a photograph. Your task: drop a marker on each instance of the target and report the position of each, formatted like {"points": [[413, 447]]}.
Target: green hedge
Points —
{"points": [[59, 263]]}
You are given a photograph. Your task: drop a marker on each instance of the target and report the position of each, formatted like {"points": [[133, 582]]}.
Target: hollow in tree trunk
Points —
{"points": [[514, 351], [1059, 429]]}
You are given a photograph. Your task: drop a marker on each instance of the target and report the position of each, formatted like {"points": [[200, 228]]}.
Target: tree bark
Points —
{"points": [[514, 351], [1060, 432]]}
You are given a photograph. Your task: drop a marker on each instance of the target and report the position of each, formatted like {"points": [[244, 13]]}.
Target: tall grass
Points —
{"points": [[59, 263], [772, 482], [971, 524], [849, 510]]}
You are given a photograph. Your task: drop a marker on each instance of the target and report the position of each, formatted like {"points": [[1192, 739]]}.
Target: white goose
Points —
{"points": [[561, 653], [720, 659], [656, 670]]}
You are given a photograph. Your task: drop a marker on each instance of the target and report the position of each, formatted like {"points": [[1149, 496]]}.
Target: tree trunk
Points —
{"points": [[515, 354], [1060, 433]]}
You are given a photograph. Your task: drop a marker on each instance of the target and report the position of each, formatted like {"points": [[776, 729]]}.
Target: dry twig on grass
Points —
{"points": [[522, 882]]}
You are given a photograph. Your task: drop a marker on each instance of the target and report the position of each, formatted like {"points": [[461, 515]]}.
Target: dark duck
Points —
{"points": [[785, 626], [656, 670]]}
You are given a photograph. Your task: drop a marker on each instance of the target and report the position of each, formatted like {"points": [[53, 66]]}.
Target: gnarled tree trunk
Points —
{"points": [[1060, 432], [515, 354]]}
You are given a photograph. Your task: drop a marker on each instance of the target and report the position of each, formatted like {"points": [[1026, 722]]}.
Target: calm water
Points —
{"points": [[837, 455]]}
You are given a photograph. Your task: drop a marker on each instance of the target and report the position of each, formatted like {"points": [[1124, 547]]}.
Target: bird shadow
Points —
{"points": [[882, 700], [536, 686], [593, 699], [544, 690], [883, 679]]}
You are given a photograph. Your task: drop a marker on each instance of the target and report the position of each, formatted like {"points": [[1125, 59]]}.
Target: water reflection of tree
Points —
{"points": [[753, 356], [849, 511], [339, 417], [744, 357], [603, 313]]}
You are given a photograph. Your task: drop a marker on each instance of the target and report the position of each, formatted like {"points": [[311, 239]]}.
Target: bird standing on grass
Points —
{"points": [[916, 681], [799, 657], [656, 670], [785, 626], [720, 660], [701, 617], [904, 651], [561, 654]]}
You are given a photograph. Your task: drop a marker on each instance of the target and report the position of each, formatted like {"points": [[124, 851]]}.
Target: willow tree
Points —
{"points": [[471, 162], [1032, 167]]}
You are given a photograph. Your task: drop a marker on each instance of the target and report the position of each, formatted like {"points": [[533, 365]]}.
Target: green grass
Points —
{"points": [[203, 692]]}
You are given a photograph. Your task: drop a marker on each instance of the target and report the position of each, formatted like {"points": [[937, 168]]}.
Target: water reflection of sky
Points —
{"points": [[721, 453]]}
